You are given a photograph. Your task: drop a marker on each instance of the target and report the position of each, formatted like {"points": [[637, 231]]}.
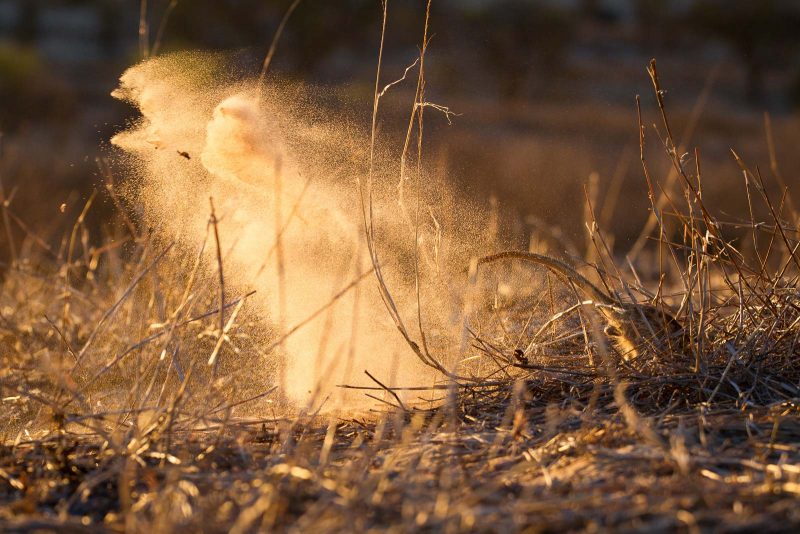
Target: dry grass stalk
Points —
{"points": [[544, 422]]}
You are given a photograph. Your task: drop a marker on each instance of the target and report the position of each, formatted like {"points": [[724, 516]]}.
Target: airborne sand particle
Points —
{"points": [[268, 152]]}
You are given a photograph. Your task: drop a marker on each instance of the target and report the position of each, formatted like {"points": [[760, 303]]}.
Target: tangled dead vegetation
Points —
{"points": [[123, 408], [632, 327]]}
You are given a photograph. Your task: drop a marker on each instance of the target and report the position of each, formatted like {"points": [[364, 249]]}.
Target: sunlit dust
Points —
{"points": [[284, 178]]}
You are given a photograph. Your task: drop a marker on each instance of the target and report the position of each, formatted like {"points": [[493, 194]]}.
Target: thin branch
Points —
{"points": [[274, 45]]}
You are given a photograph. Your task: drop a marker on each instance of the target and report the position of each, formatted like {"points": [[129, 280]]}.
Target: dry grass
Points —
{"points": [[125, 404]]}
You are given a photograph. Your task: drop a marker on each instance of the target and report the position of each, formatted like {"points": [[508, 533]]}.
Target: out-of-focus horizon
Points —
{"points": [[544, 89]]}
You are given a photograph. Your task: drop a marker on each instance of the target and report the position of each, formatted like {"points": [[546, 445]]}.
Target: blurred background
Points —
{"points": [[544, 90]]}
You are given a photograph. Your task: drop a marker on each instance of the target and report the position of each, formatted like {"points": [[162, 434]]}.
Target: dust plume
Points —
{"points": [[284, 176]]}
